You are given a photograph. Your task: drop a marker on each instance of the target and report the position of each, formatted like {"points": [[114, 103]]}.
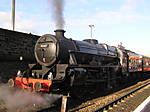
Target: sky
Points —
{"points": [[115, 21]]}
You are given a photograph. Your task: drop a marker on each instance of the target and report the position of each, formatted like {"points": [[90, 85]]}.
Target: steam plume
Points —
{"points": [[57, 7], [15, 100]]}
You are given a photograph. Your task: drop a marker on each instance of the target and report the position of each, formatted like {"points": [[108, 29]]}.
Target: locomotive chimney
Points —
{"points": [[59, 32]]}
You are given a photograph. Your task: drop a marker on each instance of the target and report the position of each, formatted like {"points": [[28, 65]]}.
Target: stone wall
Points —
{"points": [[9, 69], [14, 45]]}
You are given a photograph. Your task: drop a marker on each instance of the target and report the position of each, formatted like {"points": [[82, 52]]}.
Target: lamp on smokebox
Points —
{"points": [[91, 26]]}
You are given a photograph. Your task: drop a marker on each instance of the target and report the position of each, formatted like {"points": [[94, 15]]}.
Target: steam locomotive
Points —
{"points": [[64, 64]]}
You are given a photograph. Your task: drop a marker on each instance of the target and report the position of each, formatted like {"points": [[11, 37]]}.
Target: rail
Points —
{"points": [[106, 107]]}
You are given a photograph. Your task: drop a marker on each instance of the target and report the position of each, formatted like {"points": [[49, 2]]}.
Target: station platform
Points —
{"points": [[144, 107]]}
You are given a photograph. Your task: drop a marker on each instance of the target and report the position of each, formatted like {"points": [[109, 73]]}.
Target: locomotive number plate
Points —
{"points": [[44, 45]]}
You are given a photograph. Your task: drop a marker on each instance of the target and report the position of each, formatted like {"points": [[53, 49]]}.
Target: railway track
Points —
{"points": [[97, 104], [102, 103], [121, 99], [107, 102]]}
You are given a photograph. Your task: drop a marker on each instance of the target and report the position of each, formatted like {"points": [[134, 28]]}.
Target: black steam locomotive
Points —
{"points": [[65, 64]]}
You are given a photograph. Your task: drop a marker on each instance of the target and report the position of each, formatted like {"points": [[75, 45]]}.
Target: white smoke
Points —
{"points": [[16, 99], [57, 8]]}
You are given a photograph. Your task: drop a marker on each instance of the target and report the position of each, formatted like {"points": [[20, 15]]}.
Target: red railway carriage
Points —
{"points": [[146, 63], [135, 62]]}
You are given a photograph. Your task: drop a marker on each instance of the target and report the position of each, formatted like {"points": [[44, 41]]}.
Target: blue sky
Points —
{"points": [[115, 21]]}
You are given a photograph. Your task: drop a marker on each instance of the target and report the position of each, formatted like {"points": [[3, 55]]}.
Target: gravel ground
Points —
{"points": [[131, 103], [94, 104]]}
